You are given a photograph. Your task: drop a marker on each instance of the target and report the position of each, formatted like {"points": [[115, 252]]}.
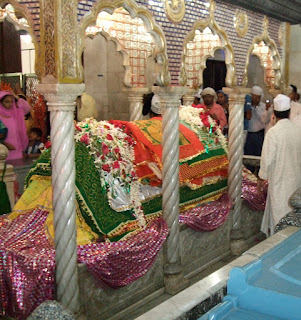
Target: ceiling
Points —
{"points": [[283, 10]]}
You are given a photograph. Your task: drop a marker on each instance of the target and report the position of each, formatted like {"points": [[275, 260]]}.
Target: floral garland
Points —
{"points": [[113, 150], [198, 118]]}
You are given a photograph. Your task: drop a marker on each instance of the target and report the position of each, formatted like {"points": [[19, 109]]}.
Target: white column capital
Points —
{"points": [[136, 94], [135, 97], [237, 94], [169, 96], [188, 96], [61, 96]]}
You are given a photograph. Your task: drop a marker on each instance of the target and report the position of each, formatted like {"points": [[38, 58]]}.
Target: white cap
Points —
{"points": [[257, 91], [156, 104], [282, 103], [210, 91]]}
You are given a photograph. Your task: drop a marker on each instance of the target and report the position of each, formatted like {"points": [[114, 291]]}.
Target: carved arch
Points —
{"points": [[226, 46], [275, 56], [24, 12], [135, 10]]}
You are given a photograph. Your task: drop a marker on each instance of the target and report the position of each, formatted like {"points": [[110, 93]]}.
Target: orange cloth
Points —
{"points": [[150, 134]]}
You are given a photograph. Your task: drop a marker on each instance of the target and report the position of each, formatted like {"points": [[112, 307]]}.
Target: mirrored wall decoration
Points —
{"points": [[241, 22]]}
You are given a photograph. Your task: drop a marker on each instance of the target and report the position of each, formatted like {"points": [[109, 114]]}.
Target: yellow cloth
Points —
{"points": [[39, 195]]}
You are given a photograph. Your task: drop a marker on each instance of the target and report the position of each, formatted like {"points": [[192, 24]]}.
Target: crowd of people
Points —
{"points": [[19, 140]]}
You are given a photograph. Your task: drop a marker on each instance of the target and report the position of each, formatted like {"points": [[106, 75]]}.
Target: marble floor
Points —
{"points": [[185, 305]]}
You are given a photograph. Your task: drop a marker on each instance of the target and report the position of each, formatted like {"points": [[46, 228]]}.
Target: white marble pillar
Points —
{"points": [[9, 176], [135, 96], [170, 102], [61, 104], [235, 156]]}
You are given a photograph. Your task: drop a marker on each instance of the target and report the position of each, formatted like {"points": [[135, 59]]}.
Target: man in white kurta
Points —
{"points": [[280, 165]]}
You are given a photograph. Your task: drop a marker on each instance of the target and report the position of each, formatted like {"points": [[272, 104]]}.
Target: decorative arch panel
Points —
{"points": [[266, 50], [205, 38], [136, 35]]}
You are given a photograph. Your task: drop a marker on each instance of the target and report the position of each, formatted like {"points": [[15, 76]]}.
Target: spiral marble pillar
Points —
{"points": [[236, 145], [136, 102], [61, 104], [170, 102]]}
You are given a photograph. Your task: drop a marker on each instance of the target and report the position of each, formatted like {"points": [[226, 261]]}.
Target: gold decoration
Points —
{"points": [[287, 46], [68, 40], [211, 9], [175, 10], [47, 58], [265, 26], [225, 45], [281, 34], [241, 23]]}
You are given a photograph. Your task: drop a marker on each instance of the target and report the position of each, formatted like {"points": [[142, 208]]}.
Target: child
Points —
{"points": [[35, 144], [3, 132]]}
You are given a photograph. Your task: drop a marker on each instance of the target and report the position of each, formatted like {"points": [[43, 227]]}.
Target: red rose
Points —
{"points": [[129, 140], [85, 139], [105, 149], [106, 167], [116, 165], [47, 144], [204, 118], [118, 125], [116, 150], [109, 137]]}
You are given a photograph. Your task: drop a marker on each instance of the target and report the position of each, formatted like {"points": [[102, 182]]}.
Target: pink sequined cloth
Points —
{"points": [[27, 256], [256, 201], [118, 264], [211, 215], [28, 264], [208, 216]]}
